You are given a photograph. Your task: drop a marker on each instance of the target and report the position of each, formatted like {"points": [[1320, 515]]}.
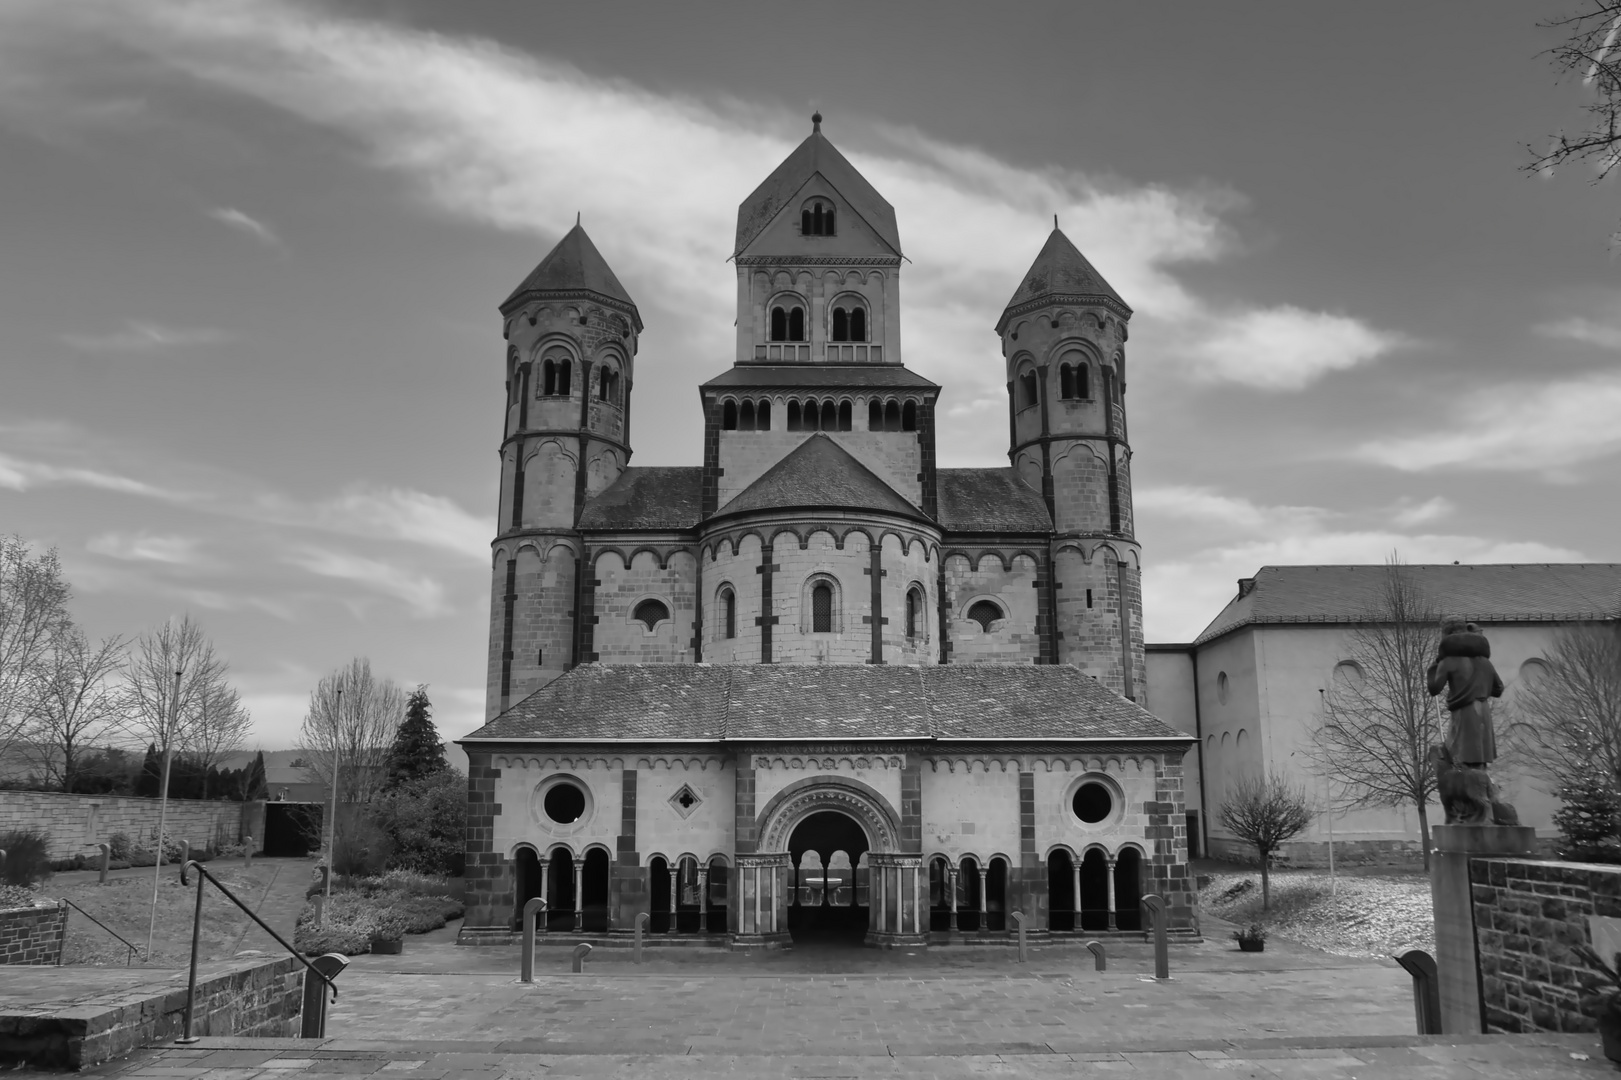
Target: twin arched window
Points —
{"points": [[556, 371], [985, 612], [1029, 390], [816, 219], [849, 323], [1074, 380], [787, 324]]}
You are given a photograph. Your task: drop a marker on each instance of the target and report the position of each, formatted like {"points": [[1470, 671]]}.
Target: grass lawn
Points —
{"points": [[1372, 911], [124, 904]]}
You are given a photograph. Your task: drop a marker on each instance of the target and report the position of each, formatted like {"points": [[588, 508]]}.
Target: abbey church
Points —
{"points": [[819, 686]]}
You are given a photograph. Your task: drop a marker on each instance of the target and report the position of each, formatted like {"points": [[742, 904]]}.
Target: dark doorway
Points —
{"points": [[594, 891], [560, 891], [688, 902], [719, 894], [996, 895], [969, 916], [939, 894], [824, 852], [527, 884], [292, 829], [658, 901], [1128, 889], [1094, 891], [1060, 891]]}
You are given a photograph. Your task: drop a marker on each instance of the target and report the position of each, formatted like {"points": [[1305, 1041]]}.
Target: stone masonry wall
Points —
{"points": [[1010, 641], [32, 935], [1529, 913], [79, 822]]}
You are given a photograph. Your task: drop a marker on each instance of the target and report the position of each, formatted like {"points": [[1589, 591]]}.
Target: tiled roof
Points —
{"points": [[648, 498], [990, 500], [833, 702], [819, 474], [1062, 270], [1502, 592], [574, 265], [819, 376], [815, 155]]}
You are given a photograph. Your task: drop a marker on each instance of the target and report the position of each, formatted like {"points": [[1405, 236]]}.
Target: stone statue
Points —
{"points": [[1463, 671]]}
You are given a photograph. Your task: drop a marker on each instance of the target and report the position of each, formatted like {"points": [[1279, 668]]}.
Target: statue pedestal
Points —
{"points": [[1456, 961]]}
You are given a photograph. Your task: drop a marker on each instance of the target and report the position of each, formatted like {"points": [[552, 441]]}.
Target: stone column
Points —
{"points": [[579, 894], [1111, 893], [761, 897], [1075, 867], [951, 883], [1457, 963], [703, 899], [675, 878], [984, 917], [546, 891]]}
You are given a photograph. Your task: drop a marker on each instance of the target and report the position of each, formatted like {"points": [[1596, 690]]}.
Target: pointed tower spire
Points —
{"points": [[574, 268], [1061, 274]]}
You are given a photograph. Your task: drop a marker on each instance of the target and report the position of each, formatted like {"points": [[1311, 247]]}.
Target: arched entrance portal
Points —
{"points": [[828, 879]]}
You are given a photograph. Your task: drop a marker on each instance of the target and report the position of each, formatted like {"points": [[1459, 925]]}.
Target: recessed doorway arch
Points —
{"points": [[828, 878]]}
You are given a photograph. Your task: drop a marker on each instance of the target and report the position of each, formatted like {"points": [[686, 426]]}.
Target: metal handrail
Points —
{"points": [[196, 930], [132, 949]]}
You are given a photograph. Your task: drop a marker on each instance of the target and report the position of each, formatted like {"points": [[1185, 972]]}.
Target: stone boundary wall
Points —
{"points": [[254, 998], [32, 935], [1528, 915], [80, 822]]}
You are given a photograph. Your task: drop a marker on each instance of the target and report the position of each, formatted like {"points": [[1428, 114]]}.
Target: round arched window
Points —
{"points": [[564, 803], [1093, 802], [1221, 688]]}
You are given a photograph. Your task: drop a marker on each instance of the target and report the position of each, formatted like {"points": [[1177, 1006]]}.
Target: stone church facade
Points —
{"points": [[818, 684]]}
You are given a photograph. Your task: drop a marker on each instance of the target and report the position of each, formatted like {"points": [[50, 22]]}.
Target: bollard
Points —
{"points": [[1426, 989], [185, 856], [1162, 945], [247, 852], [1018, 921], [320, 909], [2, 860], [533, 906], [315, 1000], [641, 925], [326, 874], [1101, 960], [106, 860], [581, 951]]}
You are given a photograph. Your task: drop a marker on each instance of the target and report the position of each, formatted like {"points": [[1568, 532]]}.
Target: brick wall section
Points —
{"points": [[1167, 833], [32, 935], [743, 823], [629, 876], [1032, 886], [490, 894], [1528, 915], [912, 805], [1012, 641], [80, 822], [252, 998]]}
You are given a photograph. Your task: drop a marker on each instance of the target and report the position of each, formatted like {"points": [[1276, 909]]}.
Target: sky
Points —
{"points": [[250, 256]]}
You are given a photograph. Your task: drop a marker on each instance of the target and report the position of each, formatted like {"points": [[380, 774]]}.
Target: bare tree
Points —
{"points": [[220, 727], [1590, 51], [350, 724], [1372, 740], [82, 703], [1567, 718], [1266, 812], [33, 608]]}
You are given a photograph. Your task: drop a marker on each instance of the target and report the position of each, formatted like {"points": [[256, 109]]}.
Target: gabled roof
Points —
{"points": [[989, 501], [1500, 592], [573, 266], [815, 155], [834, 702], [657, 498], [819, 474], [817, 376], [1061, 270]]}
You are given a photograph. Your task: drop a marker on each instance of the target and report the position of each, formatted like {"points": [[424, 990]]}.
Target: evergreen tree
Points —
{"points": [[1587, 820], [417, 751], [254, 785], [151, 773]]}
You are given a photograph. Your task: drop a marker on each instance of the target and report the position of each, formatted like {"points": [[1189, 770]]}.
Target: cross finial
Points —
{"points": [[1055, 221], [816, 121], [577, 217]]}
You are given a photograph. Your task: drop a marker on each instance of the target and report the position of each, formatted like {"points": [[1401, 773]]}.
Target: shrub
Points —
{"points": [[363, 907], [121, 847], [362, 848], [1587, 818], [426, 819], [28, 856]]}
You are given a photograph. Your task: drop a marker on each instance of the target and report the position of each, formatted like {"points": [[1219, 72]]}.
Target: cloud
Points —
{"points": [[1282, 348], [1586, 331], [424, 595], [1407, 513], [255, 228], [144, 337], [1543, 427], [393, 513], [22, 474], [146, 547]]}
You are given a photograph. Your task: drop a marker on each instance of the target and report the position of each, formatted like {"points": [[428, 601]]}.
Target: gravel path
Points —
{"points": [[1362, 915]]}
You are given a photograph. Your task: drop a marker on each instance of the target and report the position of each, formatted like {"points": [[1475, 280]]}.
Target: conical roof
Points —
{"points": [[1061, 270], [574, 266], [815, 155], [819, 474]]}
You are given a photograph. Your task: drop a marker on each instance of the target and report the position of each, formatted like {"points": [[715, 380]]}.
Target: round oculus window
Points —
{"points": [[564, 803], [1093, 802]]}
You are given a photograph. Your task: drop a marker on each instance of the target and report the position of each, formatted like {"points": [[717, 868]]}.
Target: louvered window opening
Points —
{"points": [[822, 610], [651, 612]]}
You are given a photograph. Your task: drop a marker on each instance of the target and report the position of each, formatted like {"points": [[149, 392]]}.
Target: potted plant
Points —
{"points": [[1251, 940], [1603, 999], [387, 935]]}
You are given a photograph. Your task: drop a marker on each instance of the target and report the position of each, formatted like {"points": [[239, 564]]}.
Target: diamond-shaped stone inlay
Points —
{"points": [[685, 801]]}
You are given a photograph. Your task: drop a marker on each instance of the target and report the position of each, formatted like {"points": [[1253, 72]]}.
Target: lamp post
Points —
{"points": [[163, 807], [332, 825]]}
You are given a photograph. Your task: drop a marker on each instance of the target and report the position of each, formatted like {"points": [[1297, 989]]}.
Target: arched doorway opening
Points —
{"points": [[1128, 889], [527, 883], [688, 903], [996, 894], [560, 891], [824, 852], [719, 894], [658, 900], [1060, 891], [970, 887], [1094, 891], [940, 889], [594, 891]]}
